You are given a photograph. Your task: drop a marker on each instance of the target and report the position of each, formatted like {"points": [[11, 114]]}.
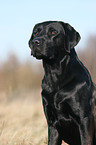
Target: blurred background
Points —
{"points": [[21, 74]]}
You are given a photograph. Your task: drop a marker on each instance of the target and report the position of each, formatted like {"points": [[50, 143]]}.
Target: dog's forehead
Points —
{"points": [[55, 25], [48, 24]]}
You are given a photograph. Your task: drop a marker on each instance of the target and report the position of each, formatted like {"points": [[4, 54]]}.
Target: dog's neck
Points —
{"points": [[56, 75]]}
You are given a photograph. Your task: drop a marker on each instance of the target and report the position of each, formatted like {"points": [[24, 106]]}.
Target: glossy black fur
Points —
{"points": [[68, 93]]}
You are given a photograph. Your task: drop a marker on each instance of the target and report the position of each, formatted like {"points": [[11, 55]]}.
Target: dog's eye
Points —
{"points": [[37, 31], [51, 32]]}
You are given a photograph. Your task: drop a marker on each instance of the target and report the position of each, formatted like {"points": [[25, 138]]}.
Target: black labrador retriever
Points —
{"points": [[68, 93]]}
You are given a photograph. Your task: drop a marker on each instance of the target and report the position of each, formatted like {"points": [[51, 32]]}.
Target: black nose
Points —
{"points": [[36, 42]]}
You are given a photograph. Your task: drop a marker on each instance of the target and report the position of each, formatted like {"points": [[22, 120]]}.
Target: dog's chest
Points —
{"points": [[51, 83], [48, 86], [55, 115]]}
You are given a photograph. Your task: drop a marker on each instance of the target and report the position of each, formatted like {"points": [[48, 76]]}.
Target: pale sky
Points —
{"points": [[17, 19]]}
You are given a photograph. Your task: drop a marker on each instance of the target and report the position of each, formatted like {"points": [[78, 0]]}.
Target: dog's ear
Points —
{"points": [[72, 37]]}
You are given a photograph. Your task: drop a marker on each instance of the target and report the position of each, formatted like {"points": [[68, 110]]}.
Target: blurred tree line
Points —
{"points": [[15, 75], [88, 56]]}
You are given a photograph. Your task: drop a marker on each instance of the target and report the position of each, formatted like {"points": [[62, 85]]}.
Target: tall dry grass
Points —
{"points": [[22, 121]]}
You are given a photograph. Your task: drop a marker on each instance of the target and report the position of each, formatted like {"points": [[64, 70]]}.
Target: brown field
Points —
{"points": [[22, 121]]}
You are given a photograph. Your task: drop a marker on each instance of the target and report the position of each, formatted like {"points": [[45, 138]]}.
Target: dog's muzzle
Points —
{"points": [[35, 48], [34, 42]]}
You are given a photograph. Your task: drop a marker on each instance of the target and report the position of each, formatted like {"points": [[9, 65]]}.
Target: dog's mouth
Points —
{"points": [[39, 55], [36, 54]]}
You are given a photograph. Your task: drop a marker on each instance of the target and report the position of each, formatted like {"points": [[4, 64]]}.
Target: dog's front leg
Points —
{"points": [[53, 136]]}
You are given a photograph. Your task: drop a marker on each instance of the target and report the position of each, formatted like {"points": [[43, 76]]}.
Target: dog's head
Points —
{"points": [[51, 38]]}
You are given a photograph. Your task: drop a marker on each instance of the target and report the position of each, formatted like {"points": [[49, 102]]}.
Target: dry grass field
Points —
{"points": [[22, 121]]}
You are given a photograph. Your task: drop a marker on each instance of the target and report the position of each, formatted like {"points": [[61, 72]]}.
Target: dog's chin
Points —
{"points": [[36, 55], [42, 56]]}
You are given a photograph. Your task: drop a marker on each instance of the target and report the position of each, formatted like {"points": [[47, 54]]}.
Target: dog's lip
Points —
{"points": [[36, 54], [31, 53]]}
